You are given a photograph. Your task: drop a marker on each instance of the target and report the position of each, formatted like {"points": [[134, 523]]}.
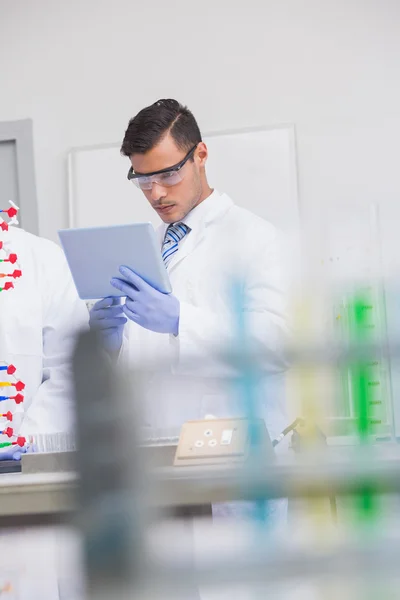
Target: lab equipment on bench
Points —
{"points": [[221, 441], [95, 254]]}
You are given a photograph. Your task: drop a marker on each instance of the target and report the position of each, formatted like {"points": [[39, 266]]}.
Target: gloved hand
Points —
{"points": [[13, 452], [146, 306], [107, 318]]}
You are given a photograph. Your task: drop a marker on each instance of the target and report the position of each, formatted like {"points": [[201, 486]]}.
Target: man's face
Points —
{"points": [[175, 202]]}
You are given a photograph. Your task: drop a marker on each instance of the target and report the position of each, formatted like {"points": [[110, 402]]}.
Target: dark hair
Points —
{"points": [[153, 122]]}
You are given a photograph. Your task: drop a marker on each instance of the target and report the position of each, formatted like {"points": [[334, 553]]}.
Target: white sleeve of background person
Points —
{"points": [[64, 315]]}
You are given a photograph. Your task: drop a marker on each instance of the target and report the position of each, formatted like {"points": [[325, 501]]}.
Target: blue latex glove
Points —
{"points": [[107, 318], [146, 306], [12, 453]]}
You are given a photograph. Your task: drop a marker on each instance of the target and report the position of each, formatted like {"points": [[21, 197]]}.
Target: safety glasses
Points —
{"points": [[165, 177]]}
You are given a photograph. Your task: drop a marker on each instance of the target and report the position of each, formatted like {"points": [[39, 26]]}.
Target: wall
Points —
{"points": [[82, 68]]}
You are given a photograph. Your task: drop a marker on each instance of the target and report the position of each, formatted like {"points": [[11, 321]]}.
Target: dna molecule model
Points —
{"points": [[10, 385]]}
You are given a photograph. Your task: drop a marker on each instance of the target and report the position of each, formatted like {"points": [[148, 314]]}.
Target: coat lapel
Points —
{"points": [[192, 240], [199, 230]]}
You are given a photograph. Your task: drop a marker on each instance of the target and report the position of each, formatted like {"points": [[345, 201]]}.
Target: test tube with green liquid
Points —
{"points": [[359, 320], [363, 393]]}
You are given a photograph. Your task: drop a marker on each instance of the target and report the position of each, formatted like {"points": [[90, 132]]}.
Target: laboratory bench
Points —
{"points": [[46, 491]]}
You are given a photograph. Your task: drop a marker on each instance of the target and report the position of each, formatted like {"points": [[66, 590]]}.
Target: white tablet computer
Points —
{"points": [[94, 255]]}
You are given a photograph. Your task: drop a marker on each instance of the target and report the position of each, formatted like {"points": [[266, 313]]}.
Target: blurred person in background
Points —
{"points": [[40, 315]]}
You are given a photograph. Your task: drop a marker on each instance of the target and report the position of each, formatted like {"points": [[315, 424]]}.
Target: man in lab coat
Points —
{"points": [[224, 265], [40, 314]]}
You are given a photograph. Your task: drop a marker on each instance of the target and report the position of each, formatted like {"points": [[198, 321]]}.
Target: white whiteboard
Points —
{"points": [[257, 168]]}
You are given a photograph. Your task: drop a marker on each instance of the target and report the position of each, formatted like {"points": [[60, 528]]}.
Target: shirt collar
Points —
{"points": [[198, 214]]}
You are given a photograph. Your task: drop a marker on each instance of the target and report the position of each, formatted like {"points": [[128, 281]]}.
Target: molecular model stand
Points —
{"points": [[10, 385]]}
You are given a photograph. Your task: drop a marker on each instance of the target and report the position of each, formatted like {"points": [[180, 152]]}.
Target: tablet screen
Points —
{"points": [[94, 255]]}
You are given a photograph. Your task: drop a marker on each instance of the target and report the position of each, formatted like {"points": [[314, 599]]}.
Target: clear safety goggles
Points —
{"points": [[165, 177]]}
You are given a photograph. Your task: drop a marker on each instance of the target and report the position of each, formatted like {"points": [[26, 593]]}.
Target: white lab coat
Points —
{"points": [[189, 376], [39, 319]]}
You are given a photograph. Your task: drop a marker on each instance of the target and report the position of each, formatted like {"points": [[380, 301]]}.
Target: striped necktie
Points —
{"points": [[173, 236]]}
